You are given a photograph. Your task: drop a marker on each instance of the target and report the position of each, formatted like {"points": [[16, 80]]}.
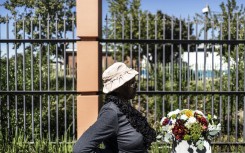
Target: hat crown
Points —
{"points": [[114, 70], [116, 75]]}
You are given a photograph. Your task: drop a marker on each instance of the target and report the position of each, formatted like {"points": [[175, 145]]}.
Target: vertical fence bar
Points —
{"points": [[221, 75], [123, 28], [48, 61], [163, 64], [204, 70], [139, 60], [106, 36], [155, 69], [40, 73], [229, 55], [114, 33], [65, 64], [32, 101], [196, 72], [32, 85], [56, 86], [73, 77], [212, 103], [147, 63], [147, 53], [15, 76], [7, 74], [172, 60], [180, 63], [188, 61], [131, 37], [237, 67]]}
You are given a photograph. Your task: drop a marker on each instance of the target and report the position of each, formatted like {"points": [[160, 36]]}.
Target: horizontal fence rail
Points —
{"points": [[38, 78], [183, 63], [153, 41]]}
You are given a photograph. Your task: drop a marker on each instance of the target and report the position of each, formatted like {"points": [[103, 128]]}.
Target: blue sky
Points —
{"points": [[170, 7], [178, 7]]}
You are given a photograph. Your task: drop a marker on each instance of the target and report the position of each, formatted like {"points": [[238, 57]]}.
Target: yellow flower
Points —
{"points": [[188, 113]]}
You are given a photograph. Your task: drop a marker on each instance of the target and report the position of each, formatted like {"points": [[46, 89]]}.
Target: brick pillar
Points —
{"points": [[88, 62]]}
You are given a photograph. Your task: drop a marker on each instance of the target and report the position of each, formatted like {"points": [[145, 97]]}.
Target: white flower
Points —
{"points": [[192, 120], [214, 129], [170, 114], [166, 127], [187, 125], [183, 117], [173, 121], [214, 117], [199, 112]]}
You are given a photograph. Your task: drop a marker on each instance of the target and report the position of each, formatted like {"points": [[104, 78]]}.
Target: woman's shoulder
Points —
{"points": [[110, 106]]}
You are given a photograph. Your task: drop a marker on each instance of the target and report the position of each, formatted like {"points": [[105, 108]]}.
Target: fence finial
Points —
{"points": [[56, 17], [7, 18], [48, 18], [122, 19], [156, 17], [39, 17], [139, 16]]}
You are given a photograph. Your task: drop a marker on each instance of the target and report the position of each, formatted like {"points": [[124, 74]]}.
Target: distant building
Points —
{"points": [[70, 66], [196, 59]]}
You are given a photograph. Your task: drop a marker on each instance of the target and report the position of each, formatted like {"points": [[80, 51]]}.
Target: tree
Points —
{"points": [[231, 19], [126, 20], [126, 13], [35, 16], [33, 12]]}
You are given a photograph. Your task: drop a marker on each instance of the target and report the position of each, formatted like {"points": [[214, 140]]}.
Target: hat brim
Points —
{"points": [[121, 80]]}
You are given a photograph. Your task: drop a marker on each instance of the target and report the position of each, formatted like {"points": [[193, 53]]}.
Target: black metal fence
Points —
{"points": [[37, 95], [193, 63]]}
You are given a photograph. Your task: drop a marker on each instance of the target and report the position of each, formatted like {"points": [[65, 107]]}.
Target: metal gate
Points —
{"points": [[194, 64], [38, 78]]}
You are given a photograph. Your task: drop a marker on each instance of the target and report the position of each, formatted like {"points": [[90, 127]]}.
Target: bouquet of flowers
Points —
{"points": [[189, 125]]}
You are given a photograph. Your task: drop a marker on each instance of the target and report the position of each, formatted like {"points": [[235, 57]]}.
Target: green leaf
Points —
{"points": [[167, 137], [200, 144]]}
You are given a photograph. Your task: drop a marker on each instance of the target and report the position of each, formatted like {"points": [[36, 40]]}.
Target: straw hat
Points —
{"points": [[116, 75]]}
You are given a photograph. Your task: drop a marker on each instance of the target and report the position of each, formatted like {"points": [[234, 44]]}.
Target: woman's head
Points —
{"points": [[120, 79], [128, 90]]}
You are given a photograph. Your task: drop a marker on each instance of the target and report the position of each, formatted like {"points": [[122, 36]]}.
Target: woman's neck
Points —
{"points": [[118, 95]]}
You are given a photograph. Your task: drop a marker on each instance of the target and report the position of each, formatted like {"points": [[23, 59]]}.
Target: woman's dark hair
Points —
{"points": [[135, 118]]}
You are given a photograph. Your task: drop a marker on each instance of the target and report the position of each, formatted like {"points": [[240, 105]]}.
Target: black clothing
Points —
{"points": [[114, 130]]}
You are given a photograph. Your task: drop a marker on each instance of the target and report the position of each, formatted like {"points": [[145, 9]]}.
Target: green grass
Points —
{"points": [[18, 143]]}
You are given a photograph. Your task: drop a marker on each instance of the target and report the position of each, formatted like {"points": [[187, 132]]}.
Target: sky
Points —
{"points": [[178, 7], [170, 7]]}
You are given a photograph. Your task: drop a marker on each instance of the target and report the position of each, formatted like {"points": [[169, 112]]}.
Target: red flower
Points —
{"points": [[179, 130], [203, 121], [165, 122], [178, 137]]}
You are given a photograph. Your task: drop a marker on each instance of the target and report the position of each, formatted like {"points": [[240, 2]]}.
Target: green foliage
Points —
{"points": [[195, 131], [33, 68], [127, 21], [159, 148], [19, 144], [29, 107], [41, 20]]}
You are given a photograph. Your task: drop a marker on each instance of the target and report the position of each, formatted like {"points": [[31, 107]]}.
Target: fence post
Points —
{"points": [[89, 16]]}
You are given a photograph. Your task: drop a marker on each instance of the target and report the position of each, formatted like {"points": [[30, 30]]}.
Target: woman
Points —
{"points": [[119, 126]]}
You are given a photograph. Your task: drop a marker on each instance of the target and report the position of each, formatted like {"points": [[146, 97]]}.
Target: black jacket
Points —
{"points": [[114, 130]]}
